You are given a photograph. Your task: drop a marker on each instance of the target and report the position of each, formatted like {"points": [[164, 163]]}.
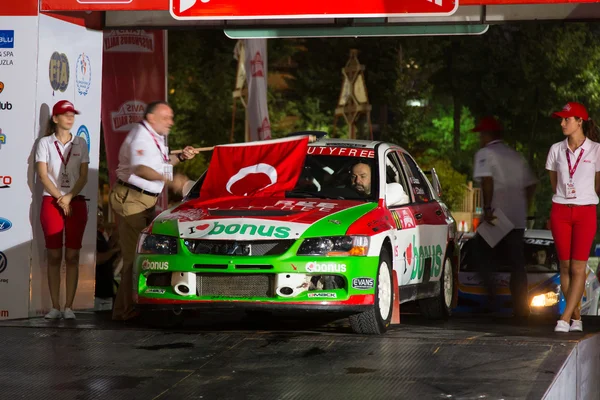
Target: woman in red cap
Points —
{"points": [[62, 161], [574, 167]]}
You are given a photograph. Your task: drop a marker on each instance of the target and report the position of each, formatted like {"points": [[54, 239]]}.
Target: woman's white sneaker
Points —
{"points": [[69, 314], [576, 325], [53, 314], [562, 326]]}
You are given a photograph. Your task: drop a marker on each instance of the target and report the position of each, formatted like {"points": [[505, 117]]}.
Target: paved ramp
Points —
{"points": [[230, 356]]}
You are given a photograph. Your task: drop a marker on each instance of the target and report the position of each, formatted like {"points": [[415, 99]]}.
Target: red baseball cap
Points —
{"points": [[572, 109], [62, 107], [488, 124]]}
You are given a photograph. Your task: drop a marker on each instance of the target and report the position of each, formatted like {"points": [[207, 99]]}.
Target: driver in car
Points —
{"points": [[541, 256], [361, 178]]}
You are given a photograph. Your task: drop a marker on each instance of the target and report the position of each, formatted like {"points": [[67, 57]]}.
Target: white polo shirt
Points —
{"points": [[143, 146], [47, 152], [585, 174], [511, 176]]}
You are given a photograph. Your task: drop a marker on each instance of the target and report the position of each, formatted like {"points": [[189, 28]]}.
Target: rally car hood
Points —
{"points": [[260, 218]]}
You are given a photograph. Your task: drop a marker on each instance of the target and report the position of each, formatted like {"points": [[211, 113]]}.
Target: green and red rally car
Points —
{"points": [[322, 244]]}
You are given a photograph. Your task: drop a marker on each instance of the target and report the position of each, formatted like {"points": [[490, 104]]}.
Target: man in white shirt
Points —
{"points": [[144, 167], [507, 184]]}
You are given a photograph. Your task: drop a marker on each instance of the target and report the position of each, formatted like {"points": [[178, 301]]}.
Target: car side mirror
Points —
{"points": [[395, 195]]}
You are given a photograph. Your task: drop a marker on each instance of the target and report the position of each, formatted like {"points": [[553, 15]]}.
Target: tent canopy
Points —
{"points": [[155, 14]]}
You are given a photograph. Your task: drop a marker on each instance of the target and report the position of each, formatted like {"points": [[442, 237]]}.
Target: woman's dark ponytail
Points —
{"points": [[50, 128], [591, 130]]}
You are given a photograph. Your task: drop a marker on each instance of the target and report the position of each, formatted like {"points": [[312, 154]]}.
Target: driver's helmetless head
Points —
{"points": [[361, 178]]}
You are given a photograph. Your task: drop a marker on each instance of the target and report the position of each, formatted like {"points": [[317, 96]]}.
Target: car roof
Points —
{"points": [[364, 144]]}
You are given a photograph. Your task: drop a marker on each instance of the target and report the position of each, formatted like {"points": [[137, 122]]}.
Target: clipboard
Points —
{"points": [[493, 234]]}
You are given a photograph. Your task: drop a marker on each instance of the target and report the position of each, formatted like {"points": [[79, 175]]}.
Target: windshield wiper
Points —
{"points": [[307, 193]]}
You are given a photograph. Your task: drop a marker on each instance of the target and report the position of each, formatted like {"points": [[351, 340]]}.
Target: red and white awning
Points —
{"points": [[159, 13]]}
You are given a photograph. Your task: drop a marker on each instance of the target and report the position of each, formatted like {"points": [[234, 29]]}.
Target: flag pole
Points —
{"points": [[196, 150]]}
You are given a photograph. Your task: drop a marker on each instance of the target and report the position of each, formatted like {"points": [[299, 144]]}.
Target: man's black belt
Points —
{"points": [[130, 186]]}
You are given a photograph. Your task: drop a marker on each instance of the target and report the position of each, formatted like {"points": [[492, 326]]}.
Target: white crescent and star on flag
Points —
{"points": [[261, 168]]}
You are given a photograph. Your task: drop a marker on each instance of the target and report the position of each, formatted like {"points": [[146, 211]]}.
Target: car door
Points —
{"points": [[405, 238], [430, 217]]}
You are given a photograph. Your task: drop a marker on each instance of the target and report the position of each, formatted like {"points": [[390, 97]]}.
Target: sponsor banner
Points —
{"points": [[69, 68], [148, 265], [248, 9], [130, 41], [29, 7], [256, 67], [316, 267], [363, 283], [18, 65], [241, 229], [134, 74], [19, 8], [340, 151], [322, 295], [155, 291], [104, 5]]}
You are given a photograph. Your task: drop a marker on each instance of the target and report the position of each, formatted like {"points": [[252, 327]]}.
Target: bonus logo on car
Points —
{"points": [[325, 267]]}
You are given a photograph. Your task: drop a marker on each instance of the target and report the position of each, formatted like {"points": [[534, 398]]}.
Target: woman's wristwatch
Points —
{"points": [[180, 157]]}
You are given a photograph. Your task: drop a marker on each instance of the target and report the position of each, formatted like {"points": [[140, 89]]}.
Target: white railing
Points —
{"points": [[472, 200]]}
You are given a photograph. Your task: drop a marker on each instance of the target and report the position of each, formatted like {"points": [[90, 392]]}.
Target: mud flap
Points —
{"points": [[455, 270], [395, 301]]}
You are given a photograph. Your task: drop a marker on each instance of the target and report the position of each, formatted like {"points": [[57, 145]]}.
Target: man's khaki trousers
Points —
{"points": [[135, 211]]}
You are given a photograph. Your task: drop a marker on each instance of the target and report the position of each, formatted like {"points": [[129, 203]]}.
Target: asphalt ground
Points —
{"points": [[232, 355]]}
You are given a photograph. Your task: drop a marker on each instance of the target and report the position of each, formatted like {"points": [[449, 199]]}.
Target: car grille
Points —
{"points": [[234, 285], [238, 248]]}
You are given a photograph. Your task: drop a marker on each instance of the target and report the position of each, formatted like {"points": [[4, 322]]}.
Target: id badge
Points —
{"points": [[168, 172], [571, 192], [65, 182]]}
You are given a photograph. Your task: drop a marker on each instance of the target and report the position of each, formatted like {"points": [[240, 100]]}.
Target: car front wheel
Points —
{"points": [[377, 320]]}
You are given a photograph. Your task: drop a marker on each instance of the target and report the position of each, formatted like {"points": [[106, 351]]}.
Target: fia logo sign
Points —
{"points": [[59, 72]]}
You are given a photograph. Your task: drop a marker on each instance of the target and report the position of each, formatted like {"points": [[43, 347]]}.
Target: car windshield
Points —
{"points": [[329, 176], [540, 256]]}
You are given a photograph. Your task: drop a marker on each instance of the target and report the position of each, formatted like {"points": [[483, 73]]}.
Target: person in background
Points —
{"points": [[507, 184], [145, 166], [62, 162], [574, 168], [107, 252]]}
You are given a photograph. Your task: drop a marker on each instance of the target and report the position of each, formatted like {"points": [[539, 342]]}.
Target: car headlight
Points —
{"points": [[156, 244], [545, 299], [335, 246]]}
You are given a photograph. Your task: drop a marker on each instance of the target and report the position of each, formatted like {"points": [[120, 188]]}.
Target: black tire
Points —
{"points": [[372, 322], [440, 306]]}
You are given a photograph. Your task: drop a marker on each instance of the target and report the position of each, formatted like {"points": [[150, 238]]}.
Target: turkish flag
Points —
{"points": [[265, 168]]}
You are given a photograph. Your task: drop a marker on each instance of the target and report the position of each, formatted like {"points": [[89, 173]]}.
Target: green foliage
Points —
{"points": [[202, 74], [519, 73], [453, 183]]}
